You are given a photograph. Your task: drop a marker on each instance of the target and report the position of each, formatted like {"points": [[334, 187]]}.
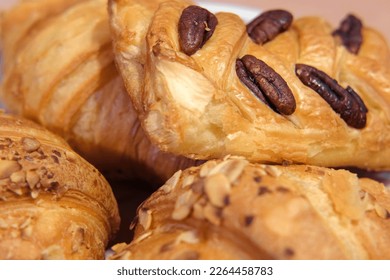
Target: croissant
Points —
{"points": [[53, 203], [277, 90], [59, 70], [233, 209]]}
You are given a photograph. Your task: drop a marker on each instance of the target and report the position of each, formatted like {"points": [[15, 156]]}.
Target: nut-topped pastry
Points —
{"points": [[233, 209], [53, 203], [276, 90]]}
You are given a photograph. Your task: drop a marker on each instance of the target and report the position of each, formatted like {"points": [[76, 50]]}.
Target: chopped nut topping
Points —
{"points": [[34, 194], [381, 212], [198, 211], [71, 156], [145, 218], [217, 187], [190, 237], [231, 168], [27, 232], [32, 178], [7, 167], [273, 171], [30, 144], [172, 182], [183, 206], [188, 180], [119, 247], [142, 237], [206, 168], [198, 187], [212, 214], [16, 189], [18, 177]]}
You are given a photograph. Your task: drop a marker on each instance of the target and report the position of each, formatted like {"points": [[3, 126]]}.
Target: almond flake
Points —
{"points": [[232, 168], [183, 205], [190, 237], [188, 180], [172, 182], [212, 214], [32, 178], [30, 144], [217, 188], [18, 177], [145, 218], [380, 211], [7, 167], [273, 171], [206, 168]]}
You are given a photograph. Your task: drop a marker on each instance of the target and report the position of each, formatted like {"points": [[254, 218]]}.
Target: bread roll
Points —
{"points": [[198, 105], [233, 209], [53, 203], [59, 70]]}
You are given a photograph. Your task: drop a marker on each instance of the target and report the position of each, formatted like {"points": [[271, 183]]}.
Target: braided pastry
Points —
{"points": [[233, 209], [59, 71], [276, 90], [53, 203]]}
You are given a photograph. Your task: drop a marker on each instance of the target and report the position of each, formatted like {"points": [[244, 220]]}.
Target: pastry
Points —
{"points": [[53, 203], [59, 70], [275, 90], [233, 209]]}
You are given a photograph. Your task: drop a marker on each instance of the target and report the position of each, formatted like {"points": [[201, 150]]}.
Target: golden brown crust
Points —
{"points": [[53, 203], [59, 70], [234, 209], [197, 106]]}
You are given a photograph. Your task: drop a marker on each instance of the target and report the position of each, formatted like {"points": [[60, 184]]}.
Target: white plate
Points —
{"points": [[246, 13]]}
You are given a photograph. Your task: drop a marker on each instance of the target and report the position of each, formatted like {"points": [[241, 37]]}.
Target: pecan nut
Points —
{"points": [[196, 26], [350, 33], [268, 25], [266, 84], [344, 101]]}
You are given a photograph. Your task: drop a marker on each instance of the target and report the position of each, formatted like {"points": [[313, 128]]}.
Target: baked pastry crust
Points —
{"points": [[59, 70], [233, 209], [53, 203], [197, 106]]}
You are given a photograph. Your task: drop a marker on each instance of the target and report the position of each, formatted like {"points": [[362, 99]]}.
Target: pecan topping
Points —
{"points": [[268, 25], [350, 32], [345, 102], [196, 26], [266, 84]]}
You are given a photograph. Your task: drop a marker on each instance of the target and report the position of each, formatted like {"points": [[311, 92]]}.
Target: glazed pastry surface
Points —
{"points": [[196, 105]]}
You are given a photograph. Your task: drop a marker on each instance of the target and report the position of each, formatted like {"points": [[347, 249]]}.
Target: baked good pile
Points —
{"points": [[252, 140]]}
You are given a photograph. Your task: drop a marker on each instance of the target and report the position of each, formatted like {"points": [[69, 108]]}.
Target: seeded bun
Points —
{"points": [[233, 209], [196, 105], [53, 203]]}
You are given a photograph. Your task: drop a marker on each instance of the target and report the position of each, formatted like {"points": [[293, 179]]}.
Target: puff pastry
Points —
{"points": [[59, 70], [233, 209], [196, 105], [53, 203]]}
